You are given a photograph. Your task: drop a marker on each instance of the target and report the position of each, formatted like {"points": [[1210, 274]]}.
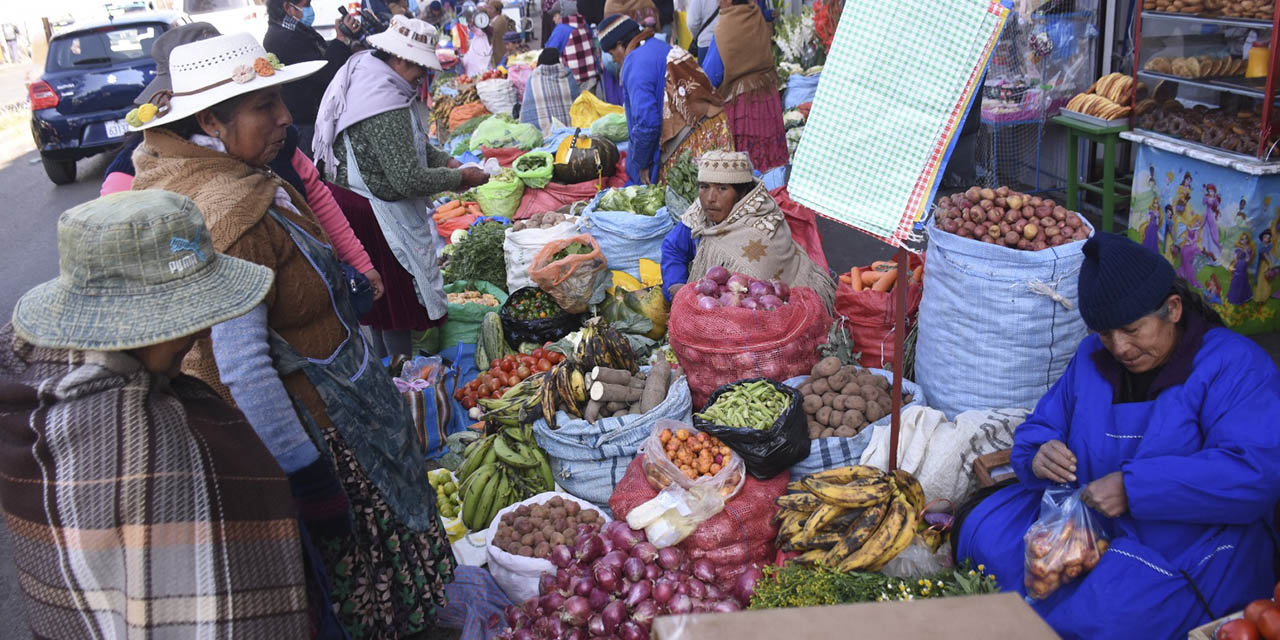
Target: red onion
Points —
{"points": [[583, 585], [681, 604], [576, 611], [555, 627], [631, 631], [633, 569], [704, 570], [781, 289], [595, 626], [749, 303], [708, 303], [623, 536], [758, 289], [541, 626], [714, 592], [639, 592], [730, 299], [670, 558], [737, 283], [546, 584], [771, 302], [614, 613], [726, 606], [551, 603], [516, 617], [707, 287], [645, 612], [745, 585], [682, 588], [645, 551], [590, 549], [531, 609], [697, 588], [613, 559], [573, 634], [718, 274], [564, 579], [524, 634], [561, 556], [663, 590], [652, 572], [698, 605], [607, 577], [598, 599]]}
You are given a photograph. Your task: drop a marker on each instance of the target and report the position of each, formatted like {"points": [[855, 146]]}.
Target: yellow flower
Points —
{"points": [[982, 567], [147, 112], [991, 578], [972, 573]]}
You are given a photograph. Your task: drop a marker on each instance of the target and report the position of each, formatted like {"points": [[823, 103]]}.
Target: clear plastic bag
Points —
{"points": [[574, 280], [662, 472], [675, 513], [1064, 544]]}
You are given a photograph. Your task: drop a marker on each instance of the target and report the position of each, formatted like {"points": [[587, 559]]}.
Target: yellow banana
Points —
{"points": [[792, 526], [858, 532], [860, 493], [864, 557], [822, 541], [899, 544], [815, 556], [819, 520], [910, 488], [803, 502], [845, 475]]}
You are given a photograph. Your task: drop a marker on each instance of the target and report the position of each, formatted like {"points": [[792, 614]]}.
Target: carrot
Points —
{"points": [[844, 278], [883, 265], [886, 281], [855, 278], [918, 274], [449, 206], [870, 277]]}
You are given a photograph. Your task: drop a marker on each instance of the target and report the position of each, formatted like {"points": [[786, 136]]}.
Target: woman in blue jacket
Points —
{"points": [[1168, 422]]}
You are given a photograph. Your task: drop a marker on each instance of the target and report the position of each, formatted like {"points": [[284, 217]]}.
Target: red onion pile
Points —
{"points": [[612, 584], [723, 289]]}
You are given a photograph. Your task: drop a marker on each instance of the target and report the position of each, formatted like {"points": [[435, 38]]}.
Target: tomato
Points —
{"points": [[543, 365], [494, 364], [507, 366], [512, 380], [523, 371], [528, 361], [539, 353], [1269, 623], [1255, 609], [1238, 629], [555, 357]]}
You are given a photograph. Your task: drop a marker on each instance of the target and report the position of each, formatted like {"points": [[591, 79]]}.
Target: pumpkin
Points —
{"points": [[582, 157]]}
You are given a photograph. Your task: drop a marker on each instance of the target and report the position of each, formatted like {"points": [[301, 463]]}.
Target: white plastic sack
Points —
{"points": [[1009, 317], [518, 575], [939, 453], [498, 95], [520, 247]]}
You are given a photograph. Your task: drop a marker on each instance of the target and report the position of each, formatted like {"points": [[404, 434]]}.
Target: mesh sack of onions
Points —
{"points": [[614, 583], [733, 540], [723, 343]]}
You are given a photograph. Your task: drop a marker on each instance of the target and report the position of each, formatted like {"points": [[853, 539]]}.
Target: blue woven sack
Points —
{"points": [[626, 237]]}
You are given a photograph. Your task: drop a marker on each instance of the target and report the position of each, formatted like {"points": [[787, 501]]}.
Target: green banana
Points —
{"points": [[475, 457], [515, 454], [472, 498], [544, 469]]}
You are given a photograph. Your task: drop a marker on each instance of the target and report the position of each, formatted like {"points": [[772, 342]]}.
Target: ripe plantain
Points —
{"points": [[823, 541], [792, 526], [858, 532], [910, 488], [862, 492], [815, 556], [803, 502], [818, 521], [845, 475], [899, 544], [885, 538]]}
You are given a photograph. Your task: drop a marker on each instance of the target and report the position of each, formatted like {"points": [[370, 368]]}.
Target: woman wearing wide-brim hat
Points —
{"points": [[121, 476], [372, 141], [297, 364]]}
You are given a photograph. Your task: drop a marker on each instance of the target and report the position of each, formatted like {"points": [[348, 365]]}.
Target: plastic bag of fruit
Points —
{"points": [[573, 271], [677, 452], [1064, 544]]}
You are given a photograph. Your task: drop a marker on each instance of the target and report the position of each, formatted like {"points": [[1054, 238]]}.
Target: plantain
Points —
{"points": [[475, 458], [845, 475], [884, 538], [477, 486], [795, 486], [858, 532], [818, 520], [803, 502], [792, 527], [823, 541], [842, 522], [514, 454], [910, 488], [815, 556], [862, 492], [548, 400], [899, 544], [544, 469]]}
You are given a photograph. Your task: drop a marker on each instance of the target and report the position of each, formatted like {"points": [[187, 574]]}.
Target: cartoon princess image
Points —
{"points": [[1209, 229], [1240, 217], [1187, 254], [1151, 228], [1166, 234], [1213, 290], [1266, 247], [1183, 197], [1241, 290]]}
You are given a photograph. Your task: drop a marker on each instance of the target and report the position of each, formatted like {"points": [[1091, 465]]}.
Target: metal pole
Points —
{"points": [[899, 332]]}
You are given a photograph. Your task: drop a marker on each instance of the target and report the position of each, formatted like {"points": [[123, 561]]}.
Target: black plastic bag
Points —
{"points": [[767, 452], [539, 331]]}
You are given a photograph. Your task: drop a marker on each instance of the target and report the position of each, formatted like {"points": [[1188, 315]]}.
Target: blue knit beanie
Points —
{"points": [[613, 29], [1121, 281]]}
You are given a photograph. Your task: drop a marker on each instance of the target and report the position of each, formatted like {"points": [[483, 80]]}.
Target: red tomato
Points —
{"points": [[1238, 629], [1255, 609], [539, 353], [523, 371], [1269, 623], [495, 364], [555, 357], [528, 361], [512, 380], [457, 394], [543, 365]]}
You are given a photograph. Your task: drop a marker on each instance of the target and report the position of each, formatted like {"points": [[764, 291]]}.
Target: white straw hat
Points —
{"points": [[211, 71], [409, 38]]}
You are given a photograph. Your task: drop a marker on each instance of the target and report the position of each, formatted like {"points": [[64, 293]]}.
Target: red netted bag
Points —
{"points": [[869, 317], [723, 345], [741, 535]]}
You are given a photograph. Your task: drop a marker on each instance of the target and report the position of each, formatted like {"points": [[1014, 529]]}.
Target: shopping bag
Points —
{"points": [[1065, 543]]}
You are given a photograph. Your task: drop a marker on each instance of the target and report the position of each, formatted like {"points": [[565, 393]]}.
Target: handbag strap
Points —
{"points": [[705, 25]]}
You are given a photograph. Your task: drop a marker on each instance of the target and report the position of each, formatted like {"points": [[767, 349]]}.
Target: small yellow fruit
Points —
{"points": [[147, 112]]}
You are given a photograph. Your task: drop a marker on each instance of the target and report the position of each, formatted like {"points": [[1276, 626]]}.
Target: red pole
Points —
{"points": [[899, 331]]}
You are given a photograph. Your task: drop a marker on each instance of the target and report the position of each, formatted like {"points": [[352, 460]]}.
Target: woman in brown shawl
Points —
{"points": [[749, 83]]}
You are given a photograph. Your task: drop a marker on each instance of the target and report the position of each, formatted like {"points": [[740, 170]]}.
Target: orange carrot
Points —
{"points": [[449, 206], [855, 278], [885, 283], [883, 265], [870, 277]]}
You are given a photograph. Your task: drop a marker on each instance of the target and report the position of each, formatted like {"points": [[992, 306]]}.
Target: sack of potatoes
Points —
{"points": [[1009, 219]]}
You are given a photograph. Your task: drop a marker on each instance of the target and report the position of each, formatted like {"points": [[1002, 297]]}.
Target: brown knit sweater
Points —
{"points": [[234, 199]]}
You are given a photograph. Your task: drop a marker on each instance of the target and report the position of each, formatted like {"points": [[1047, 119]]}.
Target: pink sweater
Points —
{"points": [[345, 242]]}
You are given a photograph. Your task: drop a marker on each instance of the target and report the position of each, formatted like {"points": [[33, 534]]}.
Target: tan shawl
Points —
{"points": [[755, 239], [638, 10], [742, 37], [688, 98]]}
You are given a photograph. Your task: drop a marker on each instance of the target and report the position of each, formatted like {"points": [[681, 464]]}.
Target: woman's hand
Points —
{"points": [[1054, 461], [453, 163], [1106, 495], [472, 176], [375, 281]]}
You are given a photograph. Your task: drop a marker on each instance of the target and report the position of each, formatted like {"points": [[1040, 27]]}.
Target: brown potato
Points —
{"points": [[845, 432], [820, 387], [874, 411], [806, 389], [838, 380], [815, 430], [855, 403], [854, 419], [828, 432], [812, 403], [838, 403], [824, 415], [869, 391], [826, 367], [834, 420], [883, 383], [851, 389], [828, 398]]}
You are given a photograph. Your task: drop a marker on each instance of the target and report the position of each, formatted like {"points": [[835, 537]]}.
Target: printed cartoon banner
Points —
{"points": [[1218, 227]]}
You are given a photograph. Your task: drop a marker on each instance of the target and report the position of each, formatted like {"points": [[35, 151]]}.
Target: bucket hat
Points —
{"points": [[136, 268], [409, 38], [166, 43], [211, 71]]}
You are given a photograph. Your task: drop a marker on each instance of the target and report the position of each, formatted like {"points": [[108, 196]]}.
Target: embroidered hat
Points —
{"points": [[1121, 281], [725, 167], [211, 71], [613, 28], [136, 268], [409, 38], [160, 49]]}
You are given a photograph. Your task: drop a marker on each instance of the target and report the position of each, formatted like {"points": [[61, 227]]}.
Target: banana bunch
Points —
{"points": [[519, 405], [851, 518], [602, 346], [501, 469], [564, 387]]}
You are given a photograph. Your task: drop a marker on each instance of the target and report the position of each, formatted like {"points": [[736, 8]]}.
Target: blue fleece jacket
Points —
{"points": [[644, 73], [678, 249], [559, 37], [712, 65]]}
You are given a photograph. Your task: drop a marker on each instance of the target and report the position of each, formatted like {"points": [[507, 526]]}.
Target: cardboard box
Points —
{"points": [[991, 617]]}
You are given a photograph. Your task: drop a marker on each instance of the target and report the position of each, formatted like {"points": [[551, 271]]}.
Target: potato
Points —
{"points": [[557, 539], [828, 432], [555, 501], [846, 432], [820, 387], [851, 389], [812, 403], [824, 414], [838, 403], [572, 508], [855, 403], [854, 418], [875, 411], [527, 539], [526, 551], [815, 430], [882, 382], [826, 367], [850, 370], [835, 419], [542, 550], [869, 391], [806, 389], [828, 398], [838, 380]]}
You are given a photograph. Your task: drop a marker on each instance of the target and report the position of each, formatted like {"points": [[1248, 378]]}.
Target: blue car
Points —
{"points": [[91, 77]]}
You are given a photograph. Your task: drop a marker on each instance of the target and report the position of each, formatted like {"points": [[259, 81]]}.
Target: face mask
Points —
{"points": [[610, 65], [308, 16]]}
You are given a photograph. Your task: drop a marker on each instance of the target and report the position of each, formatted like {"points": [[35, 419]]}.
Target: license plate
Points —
{"points": [[117, 128]]}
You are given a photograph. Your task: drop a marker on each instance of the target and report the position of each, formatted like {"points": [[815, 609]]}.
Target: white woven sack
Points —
{"points": [[498, 95], [518, 575], [519, 248]]}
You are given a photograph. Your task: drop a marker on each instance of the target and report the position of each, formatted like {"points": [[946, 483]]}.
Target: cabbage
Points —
{"points": [[527, 136], [642, 200], [501, 131], [612, 126]]}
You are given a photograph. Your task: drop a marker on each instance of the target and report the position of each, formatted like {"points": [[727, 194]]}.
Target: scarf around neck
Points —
{"points": [[747, 65], [364, 87], [755, 239]]}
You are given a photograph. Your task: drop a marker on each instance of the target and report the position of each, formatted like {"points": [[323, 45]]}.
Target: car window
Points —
{"points": [[206, 6], [107, 46]]}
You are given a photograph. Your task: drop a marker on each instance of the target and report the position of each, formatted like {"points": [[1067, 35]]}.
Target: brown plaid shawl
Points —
{"points": [[141, 507]]}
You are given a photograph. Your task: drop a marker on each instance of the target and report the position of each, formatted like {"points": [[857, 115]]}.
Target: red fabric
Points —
{"points": [[804, 109], [556, 195], [506, 156], [723, 345], [870, 316], [804, 225], [741, 535], [755, 118], [398, 308]]}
